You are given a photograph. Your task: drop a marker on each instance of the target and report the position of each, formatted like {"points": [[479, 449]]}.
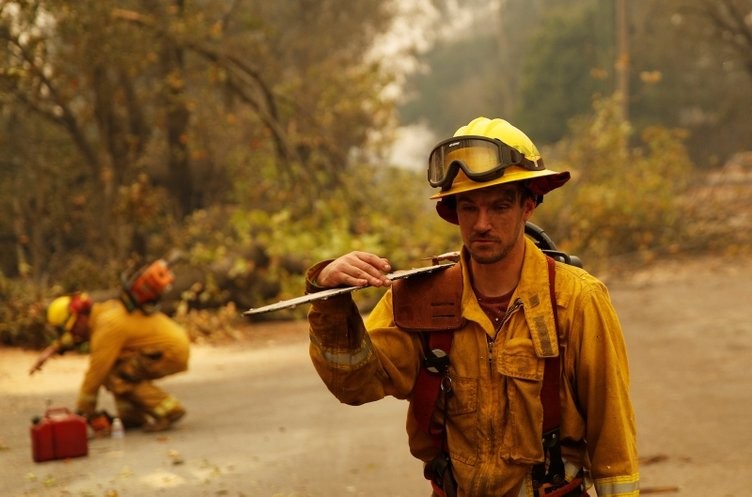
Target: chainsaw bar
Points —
{"points": [[325, 294]]}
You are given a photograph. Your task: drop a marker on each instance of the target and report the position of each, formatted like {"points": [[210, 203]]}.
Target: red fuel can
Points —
{"points": [[60, 434]]}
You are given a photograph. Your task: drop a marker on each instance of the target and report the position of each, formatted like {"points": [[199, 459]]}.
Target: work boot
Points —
{"points": [[165, 422]]}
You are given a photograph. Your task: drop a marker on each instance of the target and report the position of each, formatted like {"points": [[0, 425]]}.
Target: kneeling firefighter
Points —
{"points": [[131, 343]]}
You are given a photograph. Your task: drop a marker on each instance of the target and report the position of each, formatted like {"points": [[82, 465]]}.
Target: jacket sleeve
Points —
{"points": [[602, 384], [106, 342], [357, 365]]}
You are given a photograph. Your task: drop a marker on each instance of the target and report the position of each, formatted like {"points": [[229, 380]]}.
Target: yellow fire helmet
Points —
{"points": [[483, 153], [63, 311], [58, 313]]}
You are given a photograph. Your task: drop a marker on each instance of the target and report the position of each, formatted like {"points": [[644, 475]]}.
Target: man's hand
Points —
{"points": [[355, 269], [100, 423]]}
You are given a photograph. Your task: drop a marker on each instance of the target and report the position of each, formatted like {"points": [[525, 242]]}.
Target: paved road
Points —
{"points": [[260, 423]]}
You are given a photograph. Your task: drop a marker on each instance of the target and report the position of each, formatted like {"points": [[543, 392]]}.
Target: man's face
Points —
{"points": [[492, 221]]}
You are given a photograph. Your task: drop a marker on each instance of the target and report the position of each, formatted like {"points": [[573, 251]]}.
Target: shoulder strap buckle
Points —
{"points": [[436, 361]]}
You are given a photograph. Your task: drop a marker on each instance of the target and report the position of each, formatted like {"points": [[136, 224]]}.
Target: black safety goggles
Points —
{"points": [[480, 158]]}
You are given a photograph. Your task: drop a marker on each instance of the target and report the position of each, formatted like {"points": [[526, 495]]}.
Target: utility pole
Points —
{"points": [[622, 57], [507, 86]]}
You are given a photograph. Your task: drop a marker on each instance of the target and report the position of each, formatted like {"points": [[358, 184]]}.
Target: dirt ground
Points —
{"points": [[261, 424]]}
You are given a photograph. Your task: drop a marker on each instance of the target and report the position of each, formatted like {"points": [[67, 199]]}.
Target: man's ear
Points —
{"points": [[528, 208]]}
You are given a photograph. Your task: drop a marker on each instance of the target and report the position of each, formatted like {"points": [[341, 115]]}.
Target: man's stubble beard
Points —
{"points": [[498, 255]]}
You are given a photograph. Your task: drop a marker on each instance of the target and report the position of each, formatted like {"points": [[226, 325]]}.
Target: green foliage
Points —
{"points": [[135, 114], [570, 63], [22, 316], [691, 69], [382, 210], [130, 128], [539, 63], [83, 273], [621, 201]]}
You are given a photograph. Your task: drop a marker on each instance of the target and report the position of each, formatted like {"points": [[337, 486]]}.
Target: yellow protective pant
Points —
{"points": [[136, 396]]}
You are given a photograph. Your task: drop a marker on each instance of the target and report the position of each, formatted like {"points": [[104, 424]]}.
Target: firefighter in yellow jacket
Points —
{"points": [[131, 343], [510, 301]]}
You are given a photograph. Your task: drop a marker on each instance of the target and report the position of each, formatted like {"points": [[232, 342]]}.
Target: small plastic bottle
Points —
{"points": [[117, 434]]}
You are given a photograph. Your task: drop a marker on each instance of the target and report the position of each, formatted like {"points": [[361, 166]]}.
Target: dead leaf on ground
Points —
{"points": [[659, 490], [654, 459]]}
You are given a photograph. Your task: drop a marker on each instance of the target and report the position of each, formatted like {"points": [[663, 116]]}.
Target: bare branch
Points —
{"points": [[727, 19], [266, 109], [66, 117]]}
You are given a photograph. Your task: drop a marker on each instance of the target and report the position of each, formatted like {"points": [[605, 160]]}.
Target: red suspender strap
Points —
{"points": [[428, 383], [545, 475]]}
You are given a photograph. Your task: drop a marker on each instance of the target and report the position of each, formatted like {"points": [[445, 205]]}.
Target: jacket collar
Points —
{"points": [[534, 294]]}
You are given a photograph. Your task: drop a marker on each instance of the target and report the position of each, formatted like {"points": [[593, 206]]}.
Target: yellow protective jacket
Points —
{"points": [[115, 333], [495, 414]]}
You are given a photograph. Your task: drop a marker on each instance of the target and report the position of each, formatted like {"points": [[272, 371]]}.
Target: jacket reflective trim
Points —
{"points": [[166, 406], [348, 358], [526, 489], [547, 349], [571, 470], [621, 486]]}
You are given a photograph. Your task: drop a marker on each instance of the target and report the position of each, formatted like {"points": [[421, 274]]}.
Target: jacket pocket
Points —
{"points": [[464, 398], [521, 373], [462, 406]]}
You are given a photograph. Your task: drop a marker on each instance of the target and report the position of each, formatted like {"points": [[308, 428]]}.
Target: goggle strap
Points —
{"points": [[518, 159]]}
